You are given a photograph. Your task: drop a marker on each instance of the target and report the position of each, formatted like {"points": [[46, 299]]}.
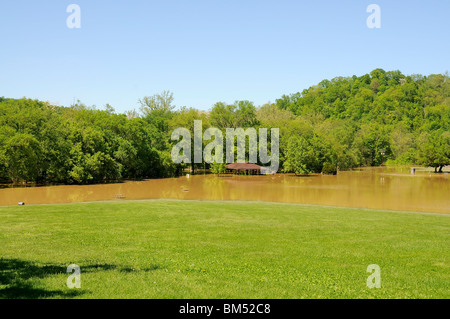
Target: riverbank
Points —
{"points": [[194, 249], [385, 188]]}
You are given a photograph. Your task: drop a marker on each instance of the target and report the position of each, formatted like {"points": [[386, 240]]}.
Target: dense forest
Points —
{"points": [[381, 117]]}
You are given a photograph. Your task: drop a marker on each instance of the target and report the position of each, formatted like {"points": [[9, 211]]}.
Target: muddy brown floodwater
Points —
{"points": [[392, 188]]}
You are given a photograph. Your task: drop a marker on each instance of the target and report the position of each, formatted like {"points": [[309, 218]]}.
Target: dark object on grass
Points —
{"points": [[21, 204]]}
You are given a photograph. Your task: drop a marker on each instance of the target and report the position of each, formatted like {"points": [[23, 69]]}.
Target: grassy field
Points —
{"points": [[193, 249]]}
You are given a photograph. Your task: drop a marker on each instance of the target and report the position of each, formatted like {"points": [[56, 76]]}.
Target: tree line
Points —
{"points": [[338, 124]]}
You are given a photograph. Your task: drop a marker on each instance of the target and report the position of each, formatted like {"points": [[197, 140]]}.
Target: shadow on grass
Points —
{"points": [[17, 276]]}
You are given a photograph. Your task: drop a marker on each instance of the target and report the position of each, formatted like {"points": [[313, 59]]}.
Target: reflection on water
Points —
{"points": [[381, 188]]}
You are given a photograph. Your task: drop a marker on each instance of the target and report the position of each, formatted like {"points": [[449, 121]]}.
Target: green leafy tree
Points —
{"points": [[435, 149], [218, 168], [22, 153], [300, 156], [240, 114]]}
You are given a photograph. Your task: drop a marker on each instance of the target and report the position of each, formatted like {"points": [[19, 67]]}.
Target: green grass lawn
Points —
{"points": [[193, 249]]}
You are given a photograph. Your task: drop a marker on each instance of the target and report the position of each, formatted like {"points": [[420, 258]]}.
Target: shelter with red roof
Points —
{"points": [[244, 168]]}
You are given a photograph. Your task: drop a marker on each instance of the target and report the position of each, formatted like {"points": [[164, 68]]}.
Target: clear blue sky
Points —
{"points": [[209, 51]]}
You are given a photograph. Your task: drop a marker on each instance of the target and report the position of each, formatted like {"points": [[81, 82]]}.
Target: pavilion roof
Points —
{"points": [[243, 166]]}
